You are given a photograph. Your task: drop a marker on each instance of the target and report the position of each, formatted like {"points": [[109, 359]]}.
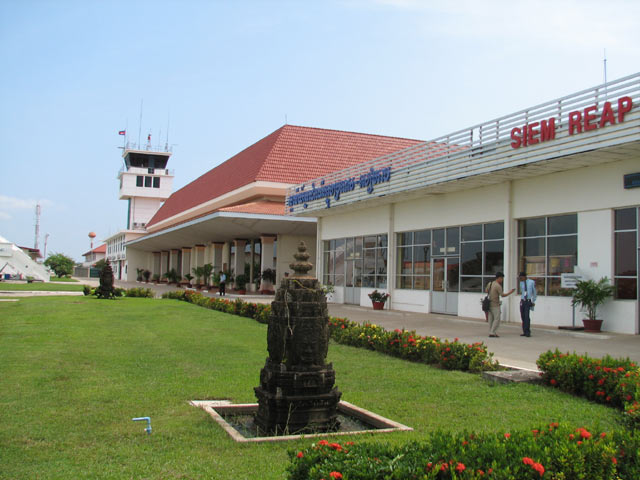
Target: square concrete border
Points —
{"points": [[212, 407]]}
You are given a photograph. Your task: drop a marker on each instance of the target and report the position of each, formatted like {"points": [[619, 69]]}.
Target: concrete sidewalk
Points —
{"points": [[510, 348]]}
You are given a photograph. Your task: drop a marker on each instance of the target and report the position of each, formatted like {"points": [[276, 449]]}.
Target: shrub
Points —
{"points": [[555, 451], [86, 289], [140, 292], [411, 346], [614, 382]]}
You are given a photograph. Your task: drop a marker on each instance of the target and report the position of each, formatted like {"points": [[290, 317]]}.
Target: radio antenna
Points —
{"points": [[605, 71]]}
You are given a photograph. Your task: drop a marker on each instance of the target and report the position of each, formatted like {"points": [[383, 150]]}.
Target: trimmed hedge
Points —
{"points": [[614, 382], [121, 292], [411, 346], [552, 452]]}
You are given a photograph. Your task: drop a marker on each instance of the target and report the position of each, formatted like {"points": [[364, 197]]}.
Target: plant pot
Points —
{"points": [[378, 305], [592, 326]]}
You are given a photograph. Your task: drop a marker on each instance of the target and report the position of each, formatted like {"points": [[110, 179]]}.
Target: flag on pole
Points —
{"points": [[149, 138], [122, 132]]}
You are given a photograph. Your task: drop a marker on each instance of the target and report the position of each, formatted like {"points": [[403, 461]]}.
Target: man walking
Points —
{"points": [[494, 289], [527, 302]]}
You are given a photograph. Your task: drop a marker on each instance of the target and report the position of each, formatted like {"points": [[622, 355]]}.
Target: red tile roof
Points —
{"points": [[292, 154], [101, 249]]}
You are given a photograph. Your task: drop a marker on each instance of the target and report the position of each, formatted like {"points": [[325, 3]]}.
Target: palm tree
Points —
{"points": [[198, 272], [207, 270]]}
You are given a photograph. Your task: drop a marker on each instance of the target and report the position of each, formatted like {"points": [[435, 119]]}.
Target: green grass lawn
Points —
{"points": [[75, 370], [63, 279], [40, 287]]}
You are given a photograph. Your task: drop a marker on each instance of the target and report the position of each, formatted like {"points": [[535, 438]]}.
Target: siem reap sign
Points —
{"points": [[579, 121]]}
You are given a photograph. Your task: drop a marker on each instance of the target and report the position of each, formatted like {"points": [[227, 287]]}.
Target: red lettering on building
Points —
{"points": [[624, 105], [548, 129], [607, 115], [575, 122], [579, 121]]}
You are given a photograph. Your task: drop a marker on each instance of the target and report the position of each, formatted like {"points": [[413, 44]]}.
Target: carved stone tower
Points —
{"points": [[296, 392]]}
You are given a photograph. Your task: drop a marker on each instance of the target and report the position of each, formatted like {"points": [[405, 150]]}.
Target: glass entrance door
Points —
{"points": [[445, 285], [353, 270]]}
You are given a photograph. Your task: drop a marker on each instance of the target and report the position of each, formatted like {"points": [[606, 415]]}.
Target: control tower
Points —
{"points": [[145, 182]]}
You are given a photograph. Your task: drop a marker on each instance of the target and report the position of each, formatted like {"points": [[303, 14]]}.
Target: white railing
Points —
{"points": [[145, 171], [470, 151], [147, 147]]}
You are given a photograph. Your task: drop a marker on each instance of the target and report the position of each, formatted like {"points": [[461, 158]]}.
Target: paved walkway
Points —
{"points": [[510, 348]]}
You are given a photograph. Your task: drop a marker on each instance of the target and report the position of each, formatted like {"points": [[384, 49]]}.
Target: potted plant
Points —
{"points": [[189, 277], [378, 299], [198, 271], [590, 294], [156, 278], [147, 275], [268, 279], [241, 284], [173, 276], [207, 270], [139, 272]]}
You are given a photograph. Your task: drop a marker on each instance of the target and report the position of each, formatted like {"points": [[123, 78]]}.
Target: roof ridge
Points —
{"points": [[351, 132]]}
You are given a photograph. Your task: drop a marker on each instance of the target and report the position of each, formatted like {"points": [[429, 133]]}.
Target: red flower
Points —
{"points": [[535, 433], [538, 468], [591, 377], [335, 475], [613, 459], [601, 381], [460, 467], [584, 433], [553, 381], [603, 434], [336, 446], [527, 461], [323, 442], [571, 436], [300, 454], [507, 435]]}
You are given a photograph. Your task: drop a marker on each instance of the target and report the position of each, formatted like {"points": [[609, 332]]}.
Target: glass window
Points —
{"points": [[422, 237], [370, 242], [625, 219], [405, 261], [493, 231], [471, 233], [471, 258], [156, 182], [139, 180], [405, 238], [453, 240], [563, 225], [493, 257], [531, 227], [413, 260], [626, 253], [147, 182], [438, 242], [481, 255], [547, 248]]}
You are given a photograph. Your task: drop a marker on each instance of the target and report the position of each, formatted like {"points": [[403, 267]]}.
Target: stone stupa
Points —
{"points": [[297, 393]]}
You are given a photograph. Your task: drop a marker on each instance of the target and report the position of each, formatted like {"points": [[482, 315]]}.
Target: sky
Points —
{"points": [[219, 76]]}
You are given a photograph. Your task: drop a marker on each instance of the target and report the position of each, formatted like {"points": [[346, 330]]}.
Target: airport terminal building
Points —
{"points": [[553, 190]]}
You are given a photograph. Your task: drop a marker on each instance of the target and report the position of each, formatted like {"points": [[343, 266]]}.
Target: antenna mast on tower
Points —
{"points": [[35, 243]]}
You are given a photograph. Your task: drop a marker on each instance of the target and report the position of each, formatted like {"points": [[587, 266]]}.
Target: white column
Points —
{"points": [[186, 261], [391, 253], [510, 254], [266, 257]]}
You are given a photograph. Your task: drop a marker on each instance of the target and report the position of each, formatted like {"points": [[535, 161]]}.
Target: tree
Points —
{"points": [[106, 290], [60, 264]]}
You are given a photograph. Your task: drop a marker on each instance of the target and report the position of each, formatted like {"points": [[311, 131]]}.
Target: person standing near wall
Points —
{"points": [[494, 289], [527, 302], [223, 281]]}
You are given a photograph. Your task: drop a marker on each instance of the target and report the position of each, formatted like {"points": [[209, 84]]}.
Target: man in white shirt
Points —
{"points": [[528, 297]]}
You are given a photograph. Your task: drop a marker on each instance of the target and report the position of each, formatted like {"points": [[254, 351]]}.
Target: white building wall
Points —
{"points": [[591, 192]]}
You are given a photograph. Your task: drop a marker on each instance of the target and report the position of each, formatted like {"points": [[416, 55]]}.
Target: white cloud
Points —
{"points": [[5, 216]]}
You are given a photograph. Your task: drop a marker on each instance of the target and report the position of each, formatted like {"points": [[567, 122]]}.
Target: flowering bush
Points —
{"points": [[411, 346], [377, 296], [551, 452], [614, 382]]}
